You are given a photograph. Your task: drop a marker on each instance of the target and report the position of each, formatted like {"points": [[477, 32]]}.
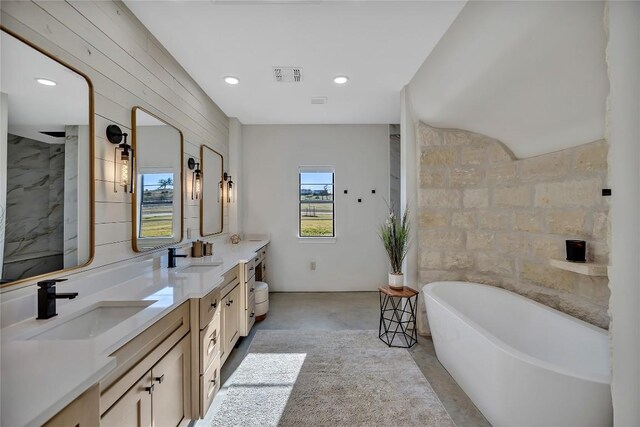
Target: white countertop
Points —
{"points": [[41, 377]]}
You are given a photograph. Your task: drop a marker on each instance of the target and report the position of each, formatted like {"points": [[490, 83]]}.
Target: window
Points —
{"points": [[316, 215], [156, 205]]}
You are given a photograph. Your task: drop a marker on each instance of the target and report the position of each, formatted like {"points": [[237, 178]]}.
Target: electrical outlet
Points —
{"points": [[313, 265]]}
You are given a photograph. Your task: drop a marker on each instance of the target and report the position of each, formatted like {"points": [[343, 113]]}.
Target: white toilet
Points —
{"points": [[262, 300]]}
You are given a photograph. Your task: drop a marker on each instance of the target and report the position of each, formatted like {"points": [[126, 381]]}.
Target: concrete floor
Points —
{"points": [[352, 310]]}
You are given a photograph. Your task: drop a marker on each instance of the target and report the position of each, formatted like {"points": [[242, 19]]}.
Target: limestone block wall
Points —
{"points": [[487, 217]]}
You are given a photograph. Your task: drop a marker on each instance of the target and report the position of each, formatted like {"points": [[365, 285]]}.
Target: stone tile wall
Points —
{"points": [[35, 206], [487, 217]]}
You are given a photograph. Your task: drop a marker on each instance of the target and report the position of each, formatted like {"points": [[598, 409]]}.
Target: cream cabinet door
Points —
{"points": [[231, 318], [172, 385], [133, 409]]}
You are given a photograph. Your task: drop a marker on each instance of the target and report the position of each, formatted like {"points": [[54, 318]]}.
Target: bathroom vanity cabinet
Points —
{"points": [[160, 397], [154, 385], [169, 373], [251, 271], [248, 286], [208, 345]]}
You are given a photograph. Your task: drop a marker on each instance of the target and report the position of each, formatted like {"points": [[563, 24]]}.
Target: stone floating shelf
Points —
{"points": [[586, 268]]}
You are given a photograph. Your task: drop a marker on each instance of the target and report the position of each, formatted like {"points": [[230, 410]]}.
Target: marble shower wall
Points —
{"points": [[70, 211], [487, 217], [35, 207]]}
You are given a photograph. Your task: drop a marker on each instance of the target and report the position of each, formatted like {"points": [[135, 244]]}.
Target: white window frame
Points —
{"points": [[317, 169]]}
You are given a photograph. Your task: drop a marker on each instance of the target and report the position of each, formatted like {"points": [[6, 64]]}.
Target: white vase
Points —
{"points": [[396, 281]]}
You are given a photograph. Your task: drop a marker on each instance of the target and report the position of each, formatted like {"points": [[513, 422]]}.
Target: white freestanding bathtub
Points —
{"points": [[520, 362]]}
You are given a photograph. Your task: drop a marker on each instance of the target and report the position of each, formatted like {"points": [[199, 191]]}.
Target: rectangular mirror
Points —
{"points": [[157, 192], [211, 201], [46, 164]]}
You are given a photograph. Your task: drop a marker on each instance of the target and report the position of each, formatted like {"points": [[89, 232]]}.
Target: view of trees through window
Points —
{"points": [[156, 207], [316, 216]]}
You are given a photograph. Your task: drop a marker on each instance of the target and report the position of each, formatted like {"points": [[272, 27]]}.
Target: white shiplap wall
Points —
{"points": [[128, 67]]}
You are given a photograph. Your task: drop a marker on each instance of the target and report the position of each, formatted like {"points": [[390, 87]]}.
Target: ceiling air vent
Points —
{"points": [[318, 100], [287, 74]]}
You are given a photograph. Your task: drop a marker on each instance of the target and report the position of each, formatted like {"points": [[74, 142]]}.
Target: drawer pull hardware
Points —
{"points": [[252, 314], [149, 389], [212, 387], [252, 289], [228, 303], [214, 304], [160, 379], [251, 269]]}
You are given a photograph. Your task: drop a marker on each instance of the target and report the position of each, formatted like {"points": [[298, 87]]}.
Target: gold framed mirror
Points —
{"points": [[211, 199], [158, 184], [46, 164]]}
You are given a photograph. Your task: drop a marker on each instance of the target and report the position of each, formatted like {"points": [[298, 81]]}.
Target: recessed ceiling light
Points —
{"points": [[340, 80], [46, 82], [230, 80]]}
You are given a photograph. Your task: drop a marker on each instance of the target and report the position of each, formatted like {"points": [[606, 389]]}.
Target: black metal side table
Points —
{"points": [[397, 316]]}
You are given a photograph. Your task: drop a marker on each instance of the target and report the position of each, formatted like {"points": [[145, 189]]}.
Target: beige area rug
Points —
{"points": [[328, 378]]}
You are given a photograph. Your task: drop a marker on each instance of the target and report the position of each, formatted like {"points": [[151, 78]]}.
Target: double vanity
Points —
{"points": [[142, 351], [125, 341]]}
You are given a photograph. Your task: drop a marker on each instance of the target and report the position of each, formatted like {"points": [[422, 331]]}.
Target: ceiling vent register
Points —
{"points": [[287, 74]]}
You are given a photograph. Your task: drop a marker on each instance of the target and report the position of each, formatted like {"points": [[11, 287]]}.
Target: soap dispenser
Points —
{"points": [[197, 249], [208, 249]]}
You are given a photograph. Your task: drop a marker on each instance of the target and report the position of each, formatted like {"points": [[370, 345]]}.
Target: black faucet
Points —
{"points": [[47, 298], [172, 257]]}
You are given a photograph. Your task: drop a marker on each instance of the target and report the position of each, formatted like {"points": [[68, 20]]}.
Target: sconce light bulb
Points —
{"points": [[124, 172], [197, 188]]}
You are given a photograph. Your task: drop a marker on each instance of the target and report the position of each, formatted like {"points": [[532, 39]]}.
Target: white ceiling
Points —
{"points": [[378, 44], [531, 74], [31, 104]]}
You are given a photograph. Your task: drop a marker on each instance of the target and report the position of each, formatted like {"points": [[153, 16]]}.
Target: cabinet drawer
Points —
{"points": [[251, 313], [249, 269], [251, 290], [209, 306], [210, 343], [209, 385], [230, 281], [262, 253], [231, 276]]}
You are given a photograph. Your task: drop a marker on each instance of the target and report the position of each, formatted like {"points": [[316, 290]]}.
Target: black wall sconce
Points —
{"points": [[227, 178], [196, 180], [123, 159]]}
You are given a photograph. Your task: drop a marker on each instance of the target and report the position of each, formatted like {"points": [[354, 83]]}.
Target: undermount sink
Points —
{"points": [[104, 316], [200, 268]]}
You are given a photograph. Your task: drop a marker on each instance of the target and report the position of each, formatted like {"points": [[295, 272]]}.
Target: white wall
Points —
{"points": [[624, 157], [409, 189], [128, 67], [360, 154], [233, 166], [529, 73]]}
